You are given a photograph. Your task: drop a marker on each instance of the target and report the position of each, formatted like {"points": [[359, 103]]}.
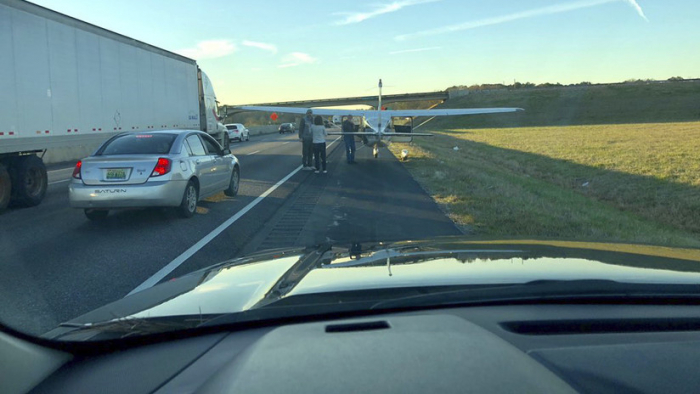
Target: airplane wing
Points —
{"points": [[317, 111], [373, 113], [446, 112], [387, 134], [354, 133]]}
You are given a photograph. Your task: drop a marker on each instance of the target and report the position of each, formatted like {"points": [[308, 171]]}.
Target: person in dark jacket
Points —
{"points": [[349, 127], [306, 136]]}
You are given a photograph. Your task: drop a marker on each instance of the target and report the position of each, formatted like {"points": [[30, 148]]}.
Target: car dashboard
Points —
{"points": [[527, 348]]}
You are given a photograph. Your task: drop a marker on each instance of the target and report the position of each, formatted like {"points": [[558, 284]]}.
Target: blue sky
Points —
{"points": [[274, 50]]}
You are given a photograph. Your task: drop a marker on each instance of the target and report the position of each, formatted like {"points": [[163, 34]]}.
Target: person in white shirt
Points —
{"points": [[319, 141]]}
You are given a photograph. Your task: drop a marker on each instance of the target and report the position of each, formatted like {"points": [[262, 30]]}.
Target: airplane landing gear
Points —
{"points": [[375, 152]]}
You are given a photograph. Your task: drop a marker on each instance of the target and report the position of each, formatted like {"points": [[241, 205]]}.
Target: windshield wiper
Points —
{"points": [[136, 326], [545, 291]]}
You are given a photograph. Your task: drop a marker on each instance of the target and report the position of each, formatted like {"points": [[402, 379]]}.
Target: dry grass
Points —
{"points": [[629, 182]]}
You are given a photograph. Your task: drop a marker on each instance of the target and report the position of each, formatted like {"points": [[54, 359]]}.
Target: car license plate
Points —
{"points": [[116, 174]]}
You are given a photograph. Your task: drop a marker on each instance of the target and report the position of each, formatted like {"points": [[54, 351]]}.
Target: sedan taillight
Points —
{"points": [[162, 167], [76, 170]]}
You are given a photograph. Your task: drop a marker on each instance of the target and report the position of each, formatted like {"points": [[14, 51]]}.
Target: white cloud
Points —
{"points": [[296, 59], [261, 45], [549, 10], [637, 8], [357, 17], [210, 49], [414, 50]]}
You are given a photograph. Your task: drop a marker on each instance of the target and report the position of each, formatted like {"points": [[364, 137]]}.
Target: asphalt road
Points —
{"points": [[57, 265]]}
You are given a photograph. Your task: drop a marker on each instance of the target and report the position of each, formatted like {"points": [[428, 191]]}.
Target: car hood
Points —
{"points": [[254, 281]]}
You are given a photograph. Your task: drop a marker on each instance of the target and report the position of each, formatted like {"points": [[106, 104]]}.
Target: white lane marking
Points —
{"points": [[163, 272], [61, 170], [55, 176], [258, 151]]}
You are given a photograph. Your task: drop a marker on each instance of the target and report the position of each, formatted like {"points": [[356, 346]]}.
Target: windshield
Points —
{"points": [[365, 127]]}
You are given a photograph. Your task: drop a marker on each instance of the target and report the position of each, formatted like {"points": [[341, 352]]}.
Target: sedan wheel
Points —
{"points": [[235, 182], [188, 206]]}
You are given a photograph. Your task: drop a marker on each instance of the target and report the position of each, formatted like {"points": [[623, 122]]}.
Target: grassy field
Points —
{"points": [[622, 182]]}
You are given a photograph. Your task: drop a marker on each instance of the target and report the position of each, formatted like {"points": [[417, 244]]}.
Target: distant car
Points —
{"points": [[167, 168], [236, 131], [286, 128]]}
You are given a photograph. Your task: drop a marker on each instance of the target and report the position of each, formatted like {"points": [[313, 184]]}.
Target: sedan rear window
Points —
{"points": [[232, 127], [138, 144]]}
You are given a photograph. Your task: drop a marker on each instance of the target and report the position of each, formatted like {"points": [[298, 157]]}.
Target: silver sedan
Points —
{"points": [[168, 168]]}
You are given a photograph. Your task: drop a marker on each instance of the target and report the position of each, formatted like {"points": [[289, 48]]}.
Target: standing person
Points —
{"points": [[349, 127], [306, 137], [319, 139]]}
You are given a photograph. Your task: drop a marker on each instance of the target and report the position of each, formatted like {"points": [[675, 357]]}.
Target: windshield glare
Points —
{"points": [[368, 146]]}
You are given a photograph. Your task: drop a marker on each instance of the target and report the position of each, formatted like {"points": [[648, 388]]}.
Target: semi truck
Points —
{"points": [[65, 83]]}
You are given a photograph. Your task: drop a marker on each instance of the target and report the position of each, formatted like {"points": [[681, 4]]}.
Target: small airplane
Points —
{"points": [[379, 120]]}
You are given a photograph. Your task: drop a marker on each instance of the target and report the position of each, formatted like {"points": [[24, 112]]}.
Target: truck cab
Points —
{"points": [[209, 111]]}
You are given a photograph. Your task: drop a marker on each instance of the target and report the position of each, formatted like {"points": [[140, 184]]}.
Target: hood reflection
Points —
{"points": [[255, 283], [259, 280]]}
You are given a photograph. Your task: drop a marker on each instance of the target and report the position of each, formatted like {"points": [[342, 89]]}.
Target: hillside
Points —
{"points": [[653, 102], [581, 105]]}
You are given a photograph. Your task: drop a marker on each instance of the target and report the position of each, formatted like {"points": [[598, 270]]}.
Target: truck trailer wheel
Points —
{"points": [[5, 187], [29, 181]]}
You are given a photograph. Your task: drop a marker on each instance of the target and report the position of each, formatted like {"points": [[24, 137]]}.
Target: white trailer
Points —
{"points": [[66, 83]]}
